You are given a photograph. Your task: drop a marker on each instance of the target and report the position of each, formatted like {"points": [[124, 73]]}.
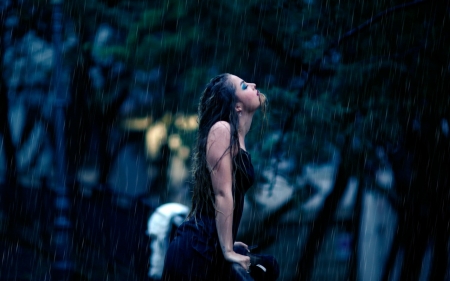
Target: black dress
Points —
{"points": [[195, 252]]}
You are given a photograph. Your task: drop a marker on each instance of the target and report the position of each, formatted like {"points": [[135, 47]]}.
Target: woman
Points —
{"points": [[205, 247]]}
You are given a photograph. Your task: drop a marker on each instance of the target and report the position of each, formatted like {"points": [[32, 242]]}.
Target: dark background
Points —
{"points": [[97, 122]]}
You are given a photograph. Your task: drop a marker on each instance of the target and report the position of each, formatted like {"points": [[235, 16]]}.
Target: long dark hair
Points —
{"points": [[217, 103]]}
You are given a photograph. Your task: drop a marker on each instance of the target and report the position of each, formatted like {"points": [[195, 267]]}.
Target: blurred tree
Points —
{"points": [[328, 90]]}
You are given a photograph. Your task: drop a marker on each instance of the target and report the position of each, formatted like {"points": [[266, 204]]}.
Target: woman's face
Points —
{"points": [[249, 98]]}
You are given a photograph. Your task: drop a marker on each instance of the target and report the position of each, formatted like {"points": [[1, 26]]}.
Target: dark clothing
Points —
{"points": [[195, 252]]}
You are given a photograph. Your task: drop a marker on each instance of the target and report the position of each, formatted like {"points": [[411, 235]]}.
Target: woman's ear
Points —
{"points": [[238, 108]]}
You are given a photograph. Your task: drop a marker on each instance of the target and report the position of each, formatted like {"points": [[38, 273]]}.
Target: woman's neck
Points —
{"points": [[245, 122]]}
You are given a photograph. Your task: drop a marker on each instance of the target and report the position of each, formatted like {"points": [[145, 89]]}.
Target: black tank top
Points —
{"points": [[244, 176], [244, 179], [202, 227]]}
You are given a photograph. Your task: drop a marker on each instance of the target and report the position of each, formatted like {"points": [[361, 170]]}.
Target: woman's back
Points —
{"points": [[198, 236]]}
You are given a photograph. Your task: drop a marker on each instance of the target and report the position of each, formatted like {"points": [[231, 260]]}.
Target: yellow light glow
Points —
{"points": [[174, 141], [186, 122], [183, 152], [137, 124], [155, 136], [193, 122]]}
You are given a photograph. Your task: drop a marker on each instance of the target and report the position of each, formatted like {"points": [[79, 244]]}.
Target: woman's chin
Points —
{"points": [[263, 101]]}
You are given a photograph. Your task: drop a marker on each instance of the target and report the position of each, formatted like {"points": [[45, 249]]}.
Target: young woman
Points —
{"points": [[205, 246]]}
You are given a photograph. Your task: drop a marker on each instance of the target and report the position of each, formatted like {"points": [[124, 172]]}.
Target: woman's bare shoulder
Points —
{"points": [[219, 138], [221, 126]]}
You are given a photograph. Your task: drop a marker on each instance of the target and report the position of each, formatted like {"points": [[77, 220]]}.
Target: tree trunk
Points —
{"points": [[390, 261], [323, 219], [11, 192], [356, 228]]}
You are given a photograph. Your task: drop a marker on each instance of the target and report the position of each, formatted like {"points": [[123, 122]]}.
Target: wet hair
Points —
{"points": [[217, 103]]}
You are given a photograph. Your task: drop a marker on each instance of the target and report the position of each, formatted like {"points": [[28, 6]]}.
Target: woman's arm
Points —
{"points": [[219, 158]]}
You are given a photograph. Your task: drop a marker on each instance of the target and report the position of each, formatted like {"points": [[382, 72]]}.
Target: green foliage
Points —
{"points": [[395, 65], [366, 90]]}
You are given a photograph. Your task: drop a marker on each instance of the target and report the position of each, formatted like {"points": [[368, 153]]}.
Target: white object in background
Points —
{"points": [[159, 227]]}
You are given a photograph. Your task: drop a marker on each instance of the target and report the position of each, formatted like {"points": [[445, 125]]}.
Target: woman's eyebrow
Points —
{"points": [[242, 82]]}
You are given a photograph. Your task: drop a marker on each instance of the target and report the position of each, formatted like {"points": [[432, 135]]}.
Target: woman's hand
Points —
{"points": [[218, 156], [244, 261], [241, 244]]}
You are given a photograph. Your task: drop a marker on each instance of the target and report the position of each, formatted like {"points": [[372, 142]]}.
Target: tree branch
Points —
{"points": [[287, 124], [375, 19]]}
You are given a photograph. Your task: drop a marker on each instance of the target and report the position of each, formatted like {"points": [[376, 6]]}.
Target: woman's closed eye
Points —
{"points": [[244, 86]]}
